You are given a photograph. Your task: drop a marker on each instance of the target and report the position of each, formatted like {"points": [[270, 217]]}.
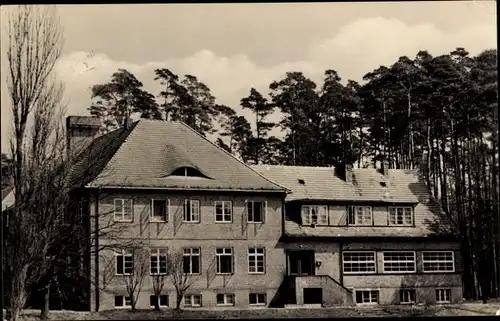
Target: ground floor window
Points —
{"points": [[257, 299], [192, 300], [161, 299], [366, 296], [225, 299], [407, 296], [122, 301], [443, 295]]}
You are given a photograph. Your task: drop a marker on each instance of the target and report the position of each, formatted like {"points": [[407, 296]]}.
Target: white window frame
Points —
{"points": [[352, 212], [438, 294], [394, 209], [307, 212], [159, 300], [263, 214], [191, 299], [158, 253], [371, 292], [225, 252], [192, 254], [124, 300], [424, 261], [225, 205], [225, 299], [194, 211], [154, 218], [126, 254], [119, 213], [399, 262], [257, 301], [254, 253], [406, 294], [374, 262]]}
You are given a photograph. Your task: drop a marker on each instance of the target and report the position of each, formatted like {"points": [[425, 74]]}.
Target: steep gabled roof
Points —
{"points": [[146, 155]]}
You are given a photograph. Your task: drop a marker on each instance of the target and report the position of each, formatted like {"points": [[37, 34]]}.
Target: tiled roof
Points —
{"points": [[321, 183], [143, 157], [7, 197]]}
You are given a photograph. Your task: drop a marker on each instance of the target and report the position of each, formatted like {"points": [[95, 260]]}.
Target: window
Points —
{"points": [[122, 301], [401, 216], [161, 299], [224, 258], [314, 214], [223, 211], [158, 261], [225, 299], [191, 264], [256, 211], [443, 295], [360, 215], [407, 296], [359, 262], [399, 262], [159, 210], [192, 300], [124, 262], [123, 210], [257, 299], [192, 211], [438, 261], [367, 296], [256, 259]]}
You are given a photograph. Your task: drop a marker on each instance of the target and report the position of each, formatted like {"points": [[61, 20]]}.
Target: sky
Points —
{"points": [[234, 47]]}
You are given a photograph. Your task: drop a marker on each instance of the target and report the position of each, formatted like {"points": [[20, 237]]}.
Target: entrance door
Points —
{"points": [[301, 263], [313, 296]]}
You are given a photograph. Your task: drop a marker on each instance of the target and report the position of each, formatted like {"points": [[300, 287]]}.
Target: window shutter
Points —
{"points": [[264, 217], [151, 216], [168, 210], [132, 209]]}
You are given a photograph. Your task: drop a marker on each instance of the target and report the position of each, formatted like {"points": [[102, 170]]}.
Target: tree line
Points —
{"points": [[435, 114]]}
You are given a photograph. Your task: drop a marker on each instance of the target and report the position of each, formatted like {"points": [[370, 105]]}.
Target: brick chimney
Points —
{"points": [[344, 172], [80, 132]]}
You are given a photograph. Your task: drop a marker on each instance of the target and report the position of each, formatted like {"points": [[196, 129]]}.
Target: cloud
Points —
{"points": [[354, 50]]}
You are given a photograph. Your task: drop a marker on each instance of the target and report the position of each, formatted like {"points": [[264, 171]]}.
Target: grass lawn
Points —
{"points": [[466, 309]]}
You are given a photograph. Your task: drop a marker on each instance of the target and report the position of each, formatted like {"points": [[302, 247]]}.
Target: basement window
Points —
{"points": [[367, 297]]}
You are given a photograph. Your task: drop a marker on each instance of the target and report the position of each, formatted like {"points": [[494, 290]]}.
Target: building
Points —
{"points": [[368, 236], [250, 236]]}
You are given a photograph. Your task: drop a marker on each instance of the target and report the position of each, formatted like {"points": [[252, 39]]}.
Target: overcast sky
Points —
{"points": [[233, 47]]}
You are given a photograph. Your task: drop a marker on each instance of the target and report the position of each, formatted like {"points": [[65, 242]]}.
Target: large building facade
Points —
{"points": [[159, 196]]}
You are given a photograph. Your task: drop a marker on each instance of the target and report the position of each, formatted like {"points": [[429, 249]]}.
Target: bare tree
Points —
{"points": [[133, 279], [159, 269], [180, 280], [35, 41]]}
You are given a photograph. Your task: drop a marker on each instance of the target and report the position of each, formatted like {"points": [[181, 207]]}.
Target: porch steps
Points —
{"points": [[303, 306]]}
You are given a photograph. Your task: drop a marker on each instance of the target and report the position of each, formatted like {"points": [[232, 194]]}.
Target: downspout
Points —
{"points": [[96, 257]]}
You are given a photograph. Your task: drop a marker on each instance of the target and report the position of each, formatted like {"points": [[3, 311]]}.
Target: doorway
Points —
{"points": [[301, 263], [313, 296]]}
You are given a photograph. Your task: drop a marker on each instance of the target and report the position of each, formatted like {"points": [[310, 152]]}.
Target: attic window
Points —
{"points": [[187, 171], [301, 181], [383, 184]]}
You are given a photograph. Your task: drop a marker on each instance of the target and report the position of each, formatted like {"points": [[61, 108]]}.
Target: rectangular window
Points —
{"points": [[224, 257], [256, 212], [191, 264], [161, 299], [159, 210], [438, 261], [257, 299], [192, 211], [124, 262], [360, 215], [358, 262], [225, 299], [123, 210], [407, 296], [314, 214], [400, 262], [402, 216], [158, 261], [192, 300], [122, 301], [443, 295], [367, 297], [256, 259], [223, 211]]}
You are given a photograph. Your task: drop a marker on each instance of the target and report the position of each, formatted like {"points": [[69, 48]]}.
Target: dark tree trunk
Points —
{"points": [[46, 303]]}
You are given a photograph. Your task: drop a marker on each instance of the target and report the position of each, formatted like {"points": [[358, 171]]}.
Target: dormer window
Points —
{"points": [[314, 215], [401, 215], [187, 172]]}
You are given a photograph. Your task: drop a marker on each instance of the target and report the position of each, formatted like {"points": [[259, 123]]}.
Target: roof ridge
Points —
{"points": [[226, 152], [294, 166]]}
